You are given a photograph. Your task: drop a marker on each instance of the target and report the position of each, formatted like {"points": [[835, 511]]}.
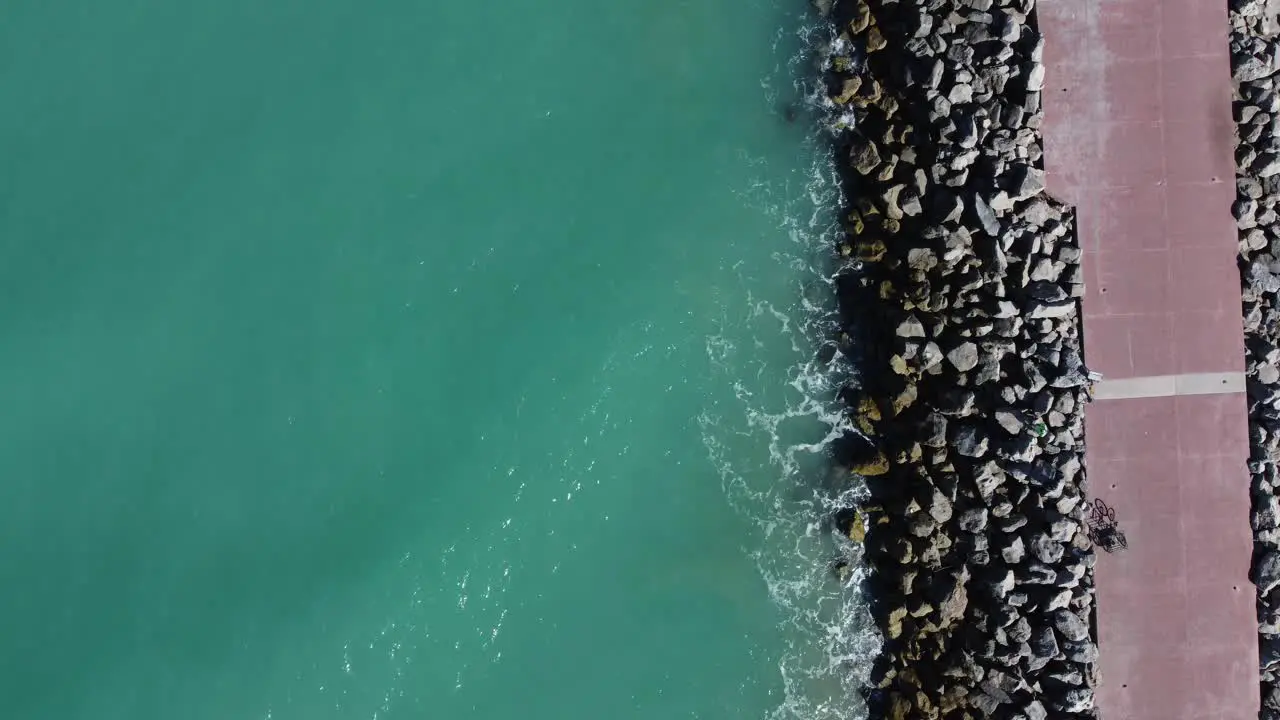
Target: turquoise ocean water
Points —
{"points": [[413, 360]]}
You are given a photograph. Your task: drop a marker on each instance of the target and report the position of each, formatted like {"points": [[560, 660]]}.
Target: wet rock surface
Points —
{"points": [[1255, 54], [957, 283]]}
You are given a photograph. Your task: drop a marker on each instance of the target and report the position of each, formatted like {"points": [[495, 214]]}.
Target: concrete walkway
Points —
{"points": [[1139, 138]]}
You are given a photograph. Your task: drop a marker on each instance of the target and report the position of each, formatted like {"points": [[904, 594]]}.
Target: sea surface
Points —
{"points": [[410, 359]]}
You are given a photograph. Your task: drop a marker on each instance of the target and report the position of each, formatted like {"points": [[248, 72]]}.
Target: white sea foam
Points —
{"points": [[769, 448], [786, 489]]}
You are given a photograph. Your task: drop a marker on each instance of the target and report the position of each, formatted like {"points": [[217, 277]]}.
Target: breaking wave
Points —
{"points": [[771, 448]]}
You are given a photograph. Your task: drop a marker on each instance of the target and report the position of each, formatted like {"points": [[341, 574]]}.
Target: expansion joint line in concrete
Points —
{"points": [[1169, 385]]}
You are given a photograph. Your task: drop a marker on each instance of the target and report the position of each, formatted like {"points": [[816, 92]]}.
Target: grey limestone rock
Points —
{"points": [[921, 525], [973, 520], [986, 216], [1075, 700], [992, 690], [1037, 212], [934, 431], [1249, 67], [1027, 182], [1063, 529], [1013, 523], [1070, 625], [970, 442], [940, 508], [910, 202], [1271, 698], [922, 259], [1009, 420], [1045, 549], [1266, 571], [1019, 631], [964, 357], [1059, 600], [1071, 677], [901, 551], [984, 703], [960, 93], [987, 372], [1044, 644], [1039, 309], [1014, 552], [955, 598], [988, 477], [865, 157], [1035, 573], [1266, 165], [1261, 278], [1046, 291], [1035, 77], [889, 198], [930, 355], [1010, 30], [1085, 652], [911, 327], [1000, 587], [1248, 186], [1022, 448], [1269, 653]]}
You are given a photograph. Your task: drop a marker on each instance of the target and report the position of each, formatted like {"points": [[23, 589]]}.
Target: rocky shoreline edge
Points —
{"points": [[958, 282], [1255, 62]]}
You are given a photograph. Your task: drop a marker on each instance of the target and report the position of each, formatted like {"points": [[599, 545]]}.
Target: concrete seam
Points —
{"points": [[1170, 385]]}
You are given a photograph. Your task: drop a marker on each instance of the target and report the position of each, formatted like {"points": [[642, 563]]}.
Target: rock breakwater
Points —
{"points": [[958, 282], [1255, 62]]}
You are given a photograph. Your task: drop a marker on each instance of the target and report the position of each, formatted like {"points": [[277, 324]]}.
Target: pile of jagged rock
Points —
{"points": [[958, 284], [1255, 62]]}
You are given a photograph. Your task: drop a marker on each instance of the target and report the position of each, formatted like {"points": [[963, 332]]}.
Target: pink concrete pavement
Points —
{"points": [[1138, 137]]}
